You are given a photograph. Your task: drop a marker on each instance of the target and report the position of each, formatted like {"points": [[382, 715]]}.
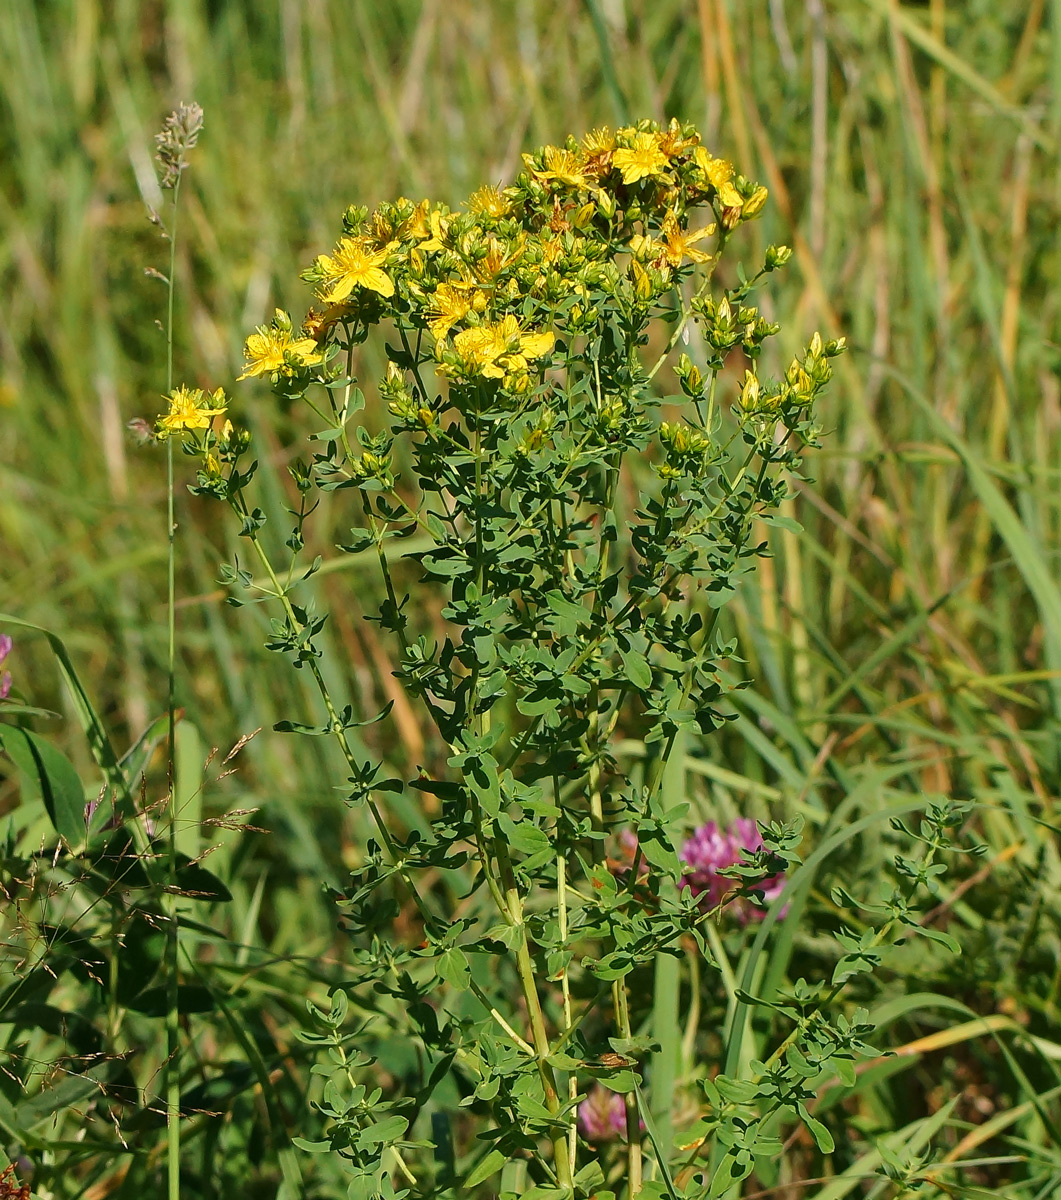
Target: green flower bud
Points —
{"points": [[606, 204], [692, 382]]}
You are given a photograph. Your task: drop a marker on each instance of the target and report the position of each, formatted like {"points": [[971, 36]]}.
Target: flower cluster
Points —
{"points": [[498, 286], [5, 676], [710, 849], [602, 1116], [199, 421]]}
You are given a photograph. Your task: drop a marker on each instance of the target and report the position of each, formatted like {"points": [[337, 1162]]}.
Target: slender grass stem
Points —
{"points": [[173, 1083]]}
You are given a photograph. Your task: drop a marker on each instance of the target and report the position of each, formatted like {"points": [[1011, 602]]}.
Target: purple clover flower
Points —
{"points": [[5, 676], [602, 1115], [710, 849]]}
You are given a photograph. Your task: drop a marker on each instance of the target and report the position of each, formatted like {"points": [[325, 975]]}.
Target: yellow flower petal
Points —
{"points": [[536, 345], [729, 196]]}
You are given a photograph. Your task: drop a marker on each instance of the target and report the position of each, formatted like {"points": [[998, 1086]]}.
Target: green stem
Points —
{"points": [[173, 1084], [633, 1115], [333, 716], [540, 1036], [565, 986]]}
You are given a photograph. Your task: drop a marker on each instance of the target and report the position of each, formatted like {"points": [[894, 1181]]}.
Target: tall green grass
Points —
{"points": [[908, 642]]}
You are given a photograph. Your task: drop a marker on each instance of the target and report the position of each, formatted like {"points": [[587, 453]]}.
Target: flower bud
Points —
{"points": [[754, 204], [584, 215], [777, 256], [642, 281], [692, 382]]}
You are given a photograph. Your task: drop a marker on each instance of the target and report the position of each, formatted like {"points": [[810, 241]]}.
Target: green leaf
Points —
{"points": [[390, 1129], [452, 966], [99, 742], [618, 1081], [571, 615], [311, 1147], [327, 435], [345, 721], [590, 1177], [51, 776], [738, 1091], [937, 935], [490, 1165], [135, 759], [822, 1137], [732, 1169], [637, 669], [523, 836]]}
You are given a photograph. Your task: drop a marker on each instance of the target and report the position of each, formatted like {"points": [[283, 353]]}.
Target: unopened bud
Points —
{"points": [[642, 282], [754, 204], [777, 256], [689, 376], [584, 215]]}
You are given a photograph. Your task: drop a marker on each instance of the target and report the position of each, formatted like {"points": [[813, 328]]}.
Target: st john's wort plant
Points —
{"points": [[584, 528]]}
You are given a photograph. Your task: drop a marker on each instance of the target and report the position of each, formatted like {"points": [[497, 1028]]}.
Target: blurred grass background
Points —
{"points": [[911, 152]]}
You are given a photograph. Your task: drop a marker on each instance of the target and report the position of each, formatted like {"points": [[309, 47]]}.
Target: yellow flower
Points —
{"points": [[597, 149], [436, 231], [317, 323], [718, 172], [498, 257], [641, 160], [382, 228], [353, 264], [268, 349], [599, 141], [190, 408], [446, 308], [489, 202], [679, 243], [644, 248], [561, 165], [499, 348], [673, 141], [418, 227]]}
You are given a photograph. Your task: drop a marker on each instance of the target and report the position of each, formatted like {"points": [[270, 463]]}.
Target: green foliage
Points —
{"points": [[898, 650], [520, 388]]}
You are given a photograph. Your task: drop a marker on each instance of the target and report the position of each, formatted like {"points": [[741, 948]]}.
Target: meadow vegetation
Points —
{"points": [[901, 644]]}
